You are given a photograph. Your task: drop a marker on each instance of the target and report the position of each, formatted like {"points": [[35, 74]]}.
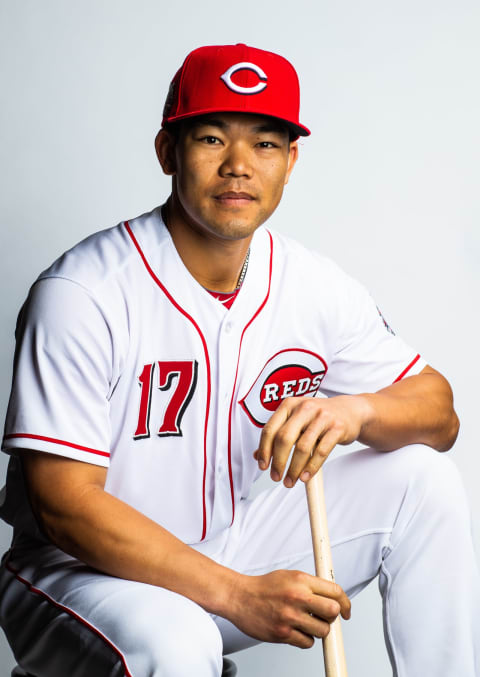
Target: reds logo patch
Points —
{"points": [[289, 373], [245, 65]]}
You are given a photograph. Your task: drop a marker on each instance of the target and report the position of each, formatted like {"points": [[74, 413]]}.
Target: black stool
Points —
{"points": [[229, 670]]}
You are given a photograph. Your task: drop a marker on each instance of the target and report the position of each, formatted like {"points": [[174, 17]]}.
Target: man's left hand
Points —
{"points": [[415, 410], [314, 426]]}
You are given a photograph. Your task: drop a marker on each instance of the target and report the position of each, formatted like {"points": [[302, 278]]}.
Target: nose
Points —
{"points": [[236, 161]]}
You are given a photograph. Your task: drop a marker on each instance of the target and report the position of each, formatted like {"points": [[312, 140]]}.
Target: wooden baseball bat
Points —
{"points": [[333, 652]]}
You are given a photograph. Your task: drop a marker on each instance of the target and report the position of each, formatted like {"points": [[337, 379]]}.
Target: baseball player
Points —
{"points": [[162, 365]]}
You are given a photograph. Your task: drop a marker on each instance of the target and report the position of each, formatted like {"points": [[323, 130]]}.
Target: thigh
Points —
{"points": [[63, 618], [365, 492], [369, 495]]}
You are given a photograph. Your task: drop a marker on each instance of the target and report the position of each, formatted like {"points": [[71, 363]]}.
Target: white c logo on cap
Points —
{"points": [[245, 65]]}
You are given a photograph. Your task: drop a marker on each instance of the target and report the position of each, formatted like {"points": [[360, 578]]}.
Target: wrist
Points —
{"points": [[233, 601], [366, 413], [228, 593]]}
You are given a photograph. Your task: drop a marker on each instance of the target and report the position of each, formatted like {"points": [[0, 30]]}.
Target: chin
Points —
{"points": [[235, 227], [234, 231]]}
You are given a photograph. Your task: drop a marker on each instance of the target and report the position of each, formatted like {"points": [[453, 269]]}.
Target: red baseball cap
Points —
{"points": [[237, 79]]}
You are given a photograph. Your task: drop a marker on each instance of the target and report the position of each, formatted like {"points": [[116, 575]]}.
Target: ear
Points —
{"points": [[292, 158], [165, 149]]}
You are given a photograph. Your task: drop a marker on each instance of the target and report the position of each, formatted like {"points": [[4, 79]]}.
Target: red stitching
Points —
{"points": [[72, 613], [207, 360]]}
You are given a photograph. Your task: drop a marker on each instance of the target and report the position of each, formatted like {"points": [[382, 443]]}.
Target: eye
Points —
{"points": [[210, 140], [266, 144]]}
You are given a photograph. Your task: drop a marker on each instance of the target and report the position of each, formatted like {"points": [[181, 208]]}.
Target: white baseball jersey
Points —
{"points": [[125, 361]]}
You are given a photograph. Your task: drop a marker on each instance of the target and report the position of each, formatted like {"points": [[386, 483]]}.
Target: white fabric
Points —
{"points": [[102, 314], [400, 515]]}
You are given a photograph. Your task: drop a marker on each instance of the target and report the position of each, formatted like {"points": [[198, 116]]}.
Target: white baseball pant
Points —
{"points": [[400, 515]]}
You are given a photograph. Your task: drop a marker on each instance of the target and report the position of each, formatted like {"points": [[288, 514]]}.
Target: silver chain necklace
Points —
{"points": [[243, 272]]}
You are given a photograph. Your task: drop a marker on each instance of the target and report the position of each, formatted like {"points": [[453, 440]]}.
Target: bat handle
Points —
{"points": [[333, 651]]}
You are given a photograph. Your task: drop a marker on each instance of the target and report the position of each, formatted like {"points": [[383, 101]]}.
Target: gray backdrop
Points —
{"points": [[387, 184]]}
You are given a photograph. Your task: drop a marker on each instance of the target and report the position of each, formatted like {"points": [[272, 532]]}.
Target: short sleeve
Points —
{"points": [[62, 375], [367, 355]]}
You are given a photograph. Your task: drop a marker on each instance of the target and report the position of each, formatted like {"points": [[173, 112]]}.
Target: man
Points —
{"points": [[162, 365]]}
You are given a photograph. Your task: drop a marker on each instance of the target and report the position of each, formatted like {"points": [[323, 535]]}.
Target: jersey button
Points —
{"points": [[228, 327]]}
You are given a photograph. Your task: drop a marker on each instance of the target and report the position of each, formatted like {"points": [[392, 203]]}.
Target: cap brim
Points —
{"points": [[297, 129]]}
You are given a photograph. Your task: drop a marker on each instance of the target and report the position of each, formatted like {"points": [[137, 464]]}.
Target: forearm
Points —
{"points": [[113, 537], [104, 532], [418, 409], [76, 513]]}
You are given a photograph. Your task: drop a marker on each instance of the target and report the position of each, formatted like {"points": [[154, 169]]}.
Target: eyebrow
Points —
{"points": [[270, 127], [211, 122]]}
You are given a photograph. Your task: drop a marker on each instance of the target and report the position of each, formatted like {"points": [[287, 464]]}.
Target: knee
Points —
{"points": [[190, 645], [198, 649], [433, 478]]}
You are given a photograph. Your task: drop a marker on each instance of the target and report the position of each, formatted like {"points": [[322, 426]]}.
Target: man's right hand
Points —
{"points": [[291, 607]]}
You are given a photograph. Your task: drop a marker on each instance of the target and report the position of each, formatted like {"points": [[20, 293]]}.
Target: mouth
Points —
{"points": [[232, 198]]}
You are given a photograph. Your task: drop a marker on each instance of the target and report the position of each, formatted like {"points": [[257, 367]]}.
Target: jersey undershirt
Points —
{"points": [[225, 298]]}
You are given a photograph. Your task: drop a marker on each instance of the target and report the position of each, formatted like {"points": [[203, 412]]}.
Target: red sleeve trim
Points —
{"points": [[70, 612], [62, 442], [407, 369]]}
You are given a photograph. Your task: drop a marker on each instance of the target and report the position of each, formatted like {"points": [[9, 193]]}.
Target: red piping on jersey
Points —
{"points": [[207, 360], [52, 439], [259, 310], [407, 369], [70, 612], [285, 350]]}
